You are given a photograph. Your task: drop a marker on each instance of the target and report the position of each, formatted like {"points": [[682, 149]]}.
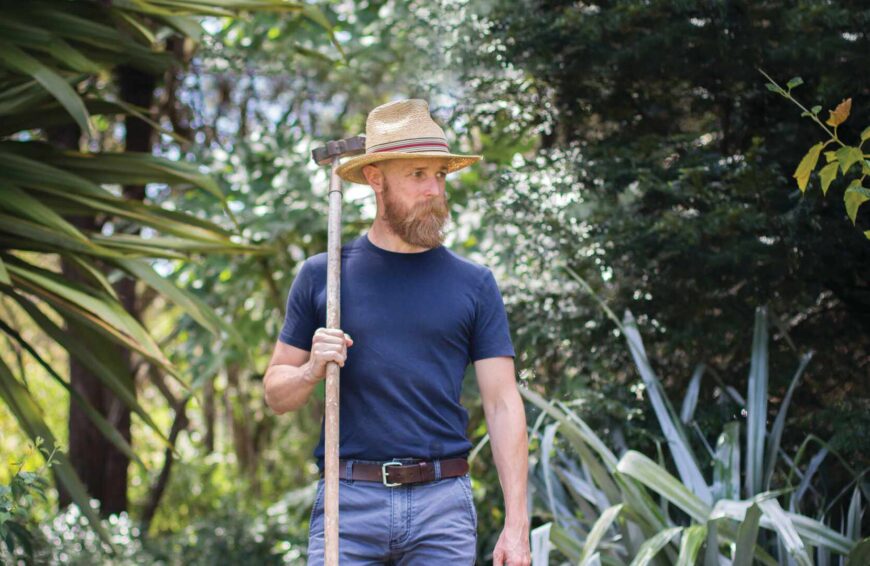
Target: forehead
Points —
{"points": [[420, 163]]}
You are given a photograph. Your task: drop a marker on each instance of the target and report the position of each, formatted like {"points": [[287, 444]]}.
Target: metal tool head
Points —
{"points": [[339, 148]]}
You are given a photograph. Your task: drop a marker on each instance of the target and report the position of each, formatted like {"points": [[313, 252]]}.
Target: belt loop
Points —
{"points": [[437, 469], [349, 470]]}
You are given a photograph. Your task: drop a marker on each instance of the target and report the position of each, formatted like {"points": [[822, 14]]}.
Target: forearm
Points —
{"points": [[288, 387], [506, 421]]}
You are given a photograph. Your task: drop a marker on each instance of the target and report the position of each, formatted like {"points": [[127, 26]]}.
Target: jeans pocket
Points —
{"points": [[318, 497], [465, 484]]}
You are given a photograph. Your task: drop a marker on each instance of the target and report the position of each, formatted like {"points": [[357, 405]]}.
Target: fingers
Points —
{"points": [[332, 336], [333, 356]]}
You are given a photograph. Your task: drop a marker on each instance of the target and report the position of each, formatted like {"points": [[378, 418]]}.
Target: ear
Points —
{"points": [[374, 176]]}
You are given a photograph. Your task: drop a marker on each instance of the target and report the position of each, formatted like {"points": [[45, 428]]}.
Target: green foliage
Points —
{"points": [[840, 160], [51, 56], [634, 508], [648, 163], [662, 175], [229, 534], [17, 501], [225, 537]]}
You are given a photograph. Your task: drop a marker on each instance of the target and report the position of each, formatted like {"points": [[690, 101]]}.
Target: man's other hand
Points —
{"points": [[512, 548]]}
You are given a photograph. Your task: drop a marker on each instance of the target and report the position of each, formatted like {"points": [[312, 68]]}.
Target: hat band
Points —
{"points": [[412, 145]]}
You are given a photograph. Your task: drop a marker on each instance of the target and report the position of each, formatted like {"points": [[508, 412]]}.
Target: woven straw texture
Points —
{"points": [[402, 129]]}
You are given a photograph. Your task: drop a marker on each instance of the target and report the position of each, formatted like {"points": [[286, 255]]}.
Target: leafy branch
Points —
{"points": [[839, 161]]}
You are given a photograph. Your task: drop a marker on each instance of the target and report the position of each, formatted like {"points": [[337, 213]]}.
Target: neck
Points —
{"points": [[383, 237]]}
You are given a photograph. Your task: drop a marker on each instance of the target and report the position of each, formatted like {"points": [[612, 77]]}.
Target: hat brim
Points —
{"points": [[351, 170]]}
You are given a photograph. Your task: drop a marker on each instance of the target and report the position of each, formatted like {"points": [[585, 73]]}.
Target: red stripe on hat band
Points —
{"points": [[445, 146]]}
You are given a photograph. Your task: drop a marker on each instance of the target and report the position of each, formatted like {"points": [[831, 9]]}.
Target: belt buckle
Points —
{"points": [[384, 472]]}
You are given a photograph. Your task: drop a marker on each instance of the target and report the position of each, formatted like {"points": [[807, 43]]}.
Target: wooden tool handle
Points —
{"points": [[333, 320]]}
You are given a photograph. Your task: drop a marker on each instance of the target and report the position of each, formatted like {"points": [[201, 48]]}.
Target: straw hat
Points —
{"points": [[402, 130]]}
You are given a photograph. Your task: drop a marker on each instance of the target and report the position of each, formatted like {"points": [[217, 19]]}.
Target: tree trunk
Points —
{"points": [[159, 487], [86, 443], [101, 466], [242, 425]]}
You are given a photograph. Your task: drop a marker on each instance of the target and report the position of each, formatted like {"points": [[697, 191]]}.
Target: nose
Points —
{"points": [[432, 188]]}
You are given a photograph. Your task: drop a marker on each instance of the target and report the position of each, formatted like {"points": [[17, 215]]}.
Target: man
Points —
{"points": [[413, 314]]}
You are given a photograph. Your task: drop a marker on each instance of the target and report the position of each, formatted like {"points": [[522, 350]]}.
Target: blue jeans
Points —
{"points": [[432, 522]]}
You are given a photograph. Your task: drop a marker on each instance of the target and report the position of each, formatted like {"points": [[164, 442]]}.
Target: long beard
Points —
{"points": [[421, 225]]}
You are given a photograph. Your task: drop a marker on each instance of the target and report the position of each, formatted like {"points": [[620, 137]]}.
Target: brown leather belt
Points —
{"points": [[395, 472]]}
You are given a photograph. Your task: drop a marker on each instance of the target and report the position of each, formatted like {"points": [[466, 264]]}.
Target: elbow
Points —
{"points": [[278, 406], [270, 402], [271, 399], [275, 408]]}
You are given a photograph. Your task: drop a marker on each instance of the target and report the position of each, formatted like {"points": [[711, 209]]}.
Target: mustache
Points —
{"points": [[436, 206]]}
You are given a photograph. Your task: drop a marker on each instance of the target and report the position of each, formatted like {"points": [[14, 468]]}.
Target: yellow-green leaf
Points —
{"points": [[847, 156], [747, 534], [839, 114], [806, 166], [136, 25], [4, 275], [865, 135], [599, 529], [188, 26], [54, 288], [17, 60], [830, 156], [828, 173], [854, 197], [653, 545], [32, 233], [25, 205], [134, 167], [690, 544], [794, 81]]}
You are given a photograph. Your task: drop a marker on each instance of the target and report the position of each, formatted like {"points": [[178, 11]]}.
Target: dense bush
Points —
{"points": [[227, 535]]}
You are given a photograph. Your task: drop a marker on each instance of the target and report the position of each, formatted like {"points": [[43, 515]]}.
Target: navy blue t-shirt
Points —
{"points": [[417, 321]]}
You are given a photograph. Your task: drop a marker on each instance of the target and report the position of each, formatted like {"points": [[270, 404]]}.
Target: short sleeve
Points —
{"points": [[300, 319], [490, 335]]}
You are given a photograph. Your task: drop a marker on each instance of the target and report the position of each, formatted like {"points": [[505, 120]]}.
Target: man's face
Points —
{"points": [[415, 200]]}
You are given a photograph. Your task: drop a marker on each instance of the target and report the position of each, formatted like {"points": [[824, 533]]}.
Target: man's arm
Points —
{"points": [[293, 372], [506, 422], [288, 382]]}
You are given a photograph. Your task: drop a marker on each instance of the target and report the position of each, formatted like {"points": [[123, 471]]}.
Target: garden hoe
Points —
{"points": [[331, 153]]}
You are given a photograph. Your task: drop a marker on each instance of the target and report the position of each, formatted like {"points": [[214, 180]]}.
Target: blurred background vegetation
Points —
{"points": [[157, 196]]}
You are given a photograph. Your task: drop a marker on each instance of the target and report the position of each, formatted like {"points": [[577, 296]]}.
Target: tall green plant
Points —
{"points": [[609, 510]]}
